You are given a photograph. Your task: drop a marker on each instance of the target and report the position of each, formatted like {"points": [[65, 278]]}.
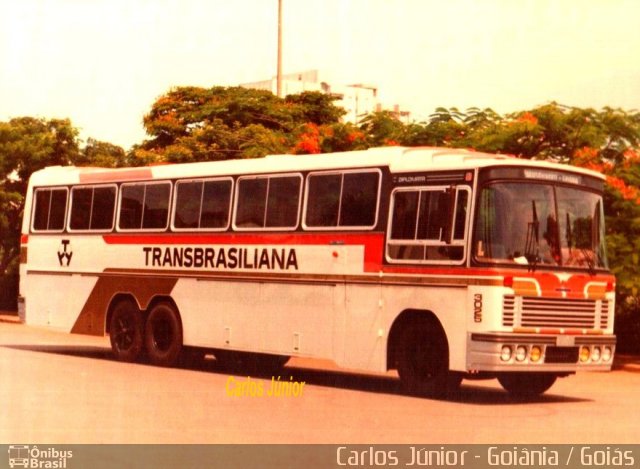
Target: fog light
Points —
{"points": [[536, 354], [521, 353], [506, 353], [606, 354], [585, 353], [595, 354]]}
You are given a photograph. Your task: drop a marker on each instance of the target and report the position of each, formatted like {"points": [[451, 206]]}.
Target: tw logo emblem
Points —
{"points": [[65, 253]]}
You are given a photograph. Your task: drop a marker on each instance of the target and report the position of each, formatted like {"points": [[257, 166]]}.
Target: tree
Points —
{"points": [[26, 145], [382, 128], [101, 154], [198, 124]]}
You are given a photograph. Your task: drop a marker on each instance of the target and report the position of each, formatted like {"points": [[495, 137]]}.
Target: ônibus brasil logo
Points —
{"points": [[34, 457]]}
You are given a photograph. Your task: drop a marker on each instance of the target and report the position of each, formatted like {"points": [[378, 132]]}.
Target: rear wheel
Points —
{"points": [[423, 361], [126, 331], [163, 335], [527, 384]]}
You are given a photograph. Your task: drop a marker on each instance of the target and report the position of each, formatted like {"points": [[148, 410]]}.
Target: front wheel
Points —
{"points": [[527, 384], [423, 361], [163, 335]]}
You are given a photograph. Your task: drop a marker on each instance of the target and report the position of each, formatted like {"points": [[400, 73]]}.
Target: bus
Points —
{"points": [[442, 264]]}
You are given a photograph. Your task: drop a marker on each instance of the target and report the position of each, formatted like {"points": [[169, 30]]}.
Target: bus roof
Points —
{"points": [[397, 159]]}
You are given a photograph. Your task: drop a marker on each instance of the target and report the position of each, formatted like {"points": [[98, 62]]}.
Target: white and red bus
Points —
{"points": [[443, 264]]}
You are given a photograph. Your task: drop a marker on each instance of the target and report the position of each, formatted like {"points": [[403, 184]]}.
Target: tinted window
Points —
{"points": [[202, 204], [283, 202], [188, 203], [156, 206], [252, 200], [50, 209], [424, 226], [144, 206], [268, 202], [92, 208], [131, 202], [461, 215], [216, 201], [346, 200], [323, 200], [359, 199], [80, 208]]}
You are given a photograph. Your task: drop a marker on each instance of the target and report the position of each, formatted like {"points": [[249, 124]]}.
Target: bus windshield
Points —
{"points": [[540, 224]]}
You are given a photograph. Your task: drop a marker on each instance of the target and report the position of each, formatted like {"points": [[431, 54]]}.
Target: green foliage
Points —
{"points": [[28, 144], [198, 124], [101, 154], [316, 108]]}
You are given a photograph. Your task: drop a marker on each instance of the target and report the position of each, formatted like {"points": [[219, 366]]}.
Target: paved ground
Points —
{"points": [[61, 388]]}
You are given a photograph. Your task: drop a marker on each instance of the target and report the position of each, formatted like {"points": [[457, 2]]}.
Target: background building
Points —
{"points": [[357, 99]]}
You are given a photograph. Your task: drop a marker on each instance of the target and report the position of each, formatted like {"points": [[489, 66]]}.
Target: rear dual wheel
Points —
{"points": [[160, 336], [163, 335], [126, 331]]}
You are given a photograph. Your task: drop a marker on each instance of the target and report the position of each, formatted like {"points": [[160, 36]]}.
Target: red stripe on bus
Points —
{"points": [[24, 239], [249, 238], [372, 242], [113, 175]]}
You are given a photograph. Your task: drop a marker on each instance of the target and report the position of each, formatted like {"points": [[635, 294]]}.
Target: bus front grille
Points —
{"points": [[528, 311]]}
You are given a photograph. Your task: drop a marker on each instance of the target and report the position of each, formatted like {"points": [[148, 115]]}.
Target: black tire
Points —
{"points": [[423, 361], [163, 335], [527, 384], [126, 331]]}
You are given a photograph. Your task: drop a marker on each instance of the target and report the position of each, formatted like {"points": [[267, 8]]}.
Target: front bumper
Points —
{"points": [[488, 352]]}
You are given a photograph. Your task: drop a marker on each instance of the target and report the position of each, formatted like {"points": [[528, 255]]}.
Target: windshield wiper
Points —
{"points": [[589, 256], [532, 244]]}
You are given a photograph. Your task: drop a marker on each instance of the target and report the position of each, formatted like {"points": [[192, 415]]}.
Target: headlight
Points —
{"points": [[606, 354], [595, 354], [521, 353], [585, 354], [536, 354], [506, 353]]}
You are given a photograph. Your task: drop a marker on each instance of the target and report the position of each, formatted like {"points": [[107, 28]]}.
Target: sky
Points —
{"points": [[102, 63]]}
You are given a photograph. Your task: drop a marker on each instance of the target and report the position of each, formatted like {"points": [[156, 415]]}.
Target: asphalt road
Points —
{"points": [[59, 388]]}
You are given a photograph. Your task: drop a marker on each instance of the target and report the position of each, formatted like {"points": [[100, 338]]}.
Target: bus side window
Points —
{"points": [[347, 200], [144, 206], [216, 203], [426, 227], [283, 202], [131, 200], [268, 202], [156, 206], [202, 204], [251, 202], [50, 209], [92, 208], [323, 200], [359, 199]]}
